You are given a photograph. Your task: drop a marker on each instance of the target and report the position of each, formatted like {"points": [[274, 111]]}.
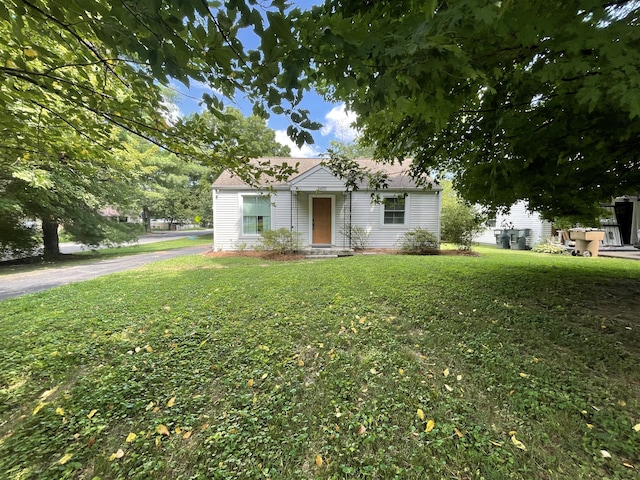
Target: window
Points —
{"points": [[394, 210], [256, 214]]}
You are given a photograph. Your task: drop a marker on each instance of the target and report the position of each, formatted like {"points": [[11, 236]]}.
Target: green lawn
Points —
{"points": [[506, 365], [30, 264]]}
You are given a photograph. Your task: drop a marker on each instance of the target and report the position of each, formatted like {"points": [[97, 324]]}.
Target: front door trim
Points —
{"points": [[333, 219]]}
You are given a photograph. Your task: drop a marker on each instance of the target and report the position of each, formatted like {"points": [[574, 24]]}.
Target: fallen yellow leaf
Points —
{"points": [[264, 375], [518, 443], [118, 454], [162, 430], [446, 372], [65, 458], [171, 402], [250, 382], [362, 430], [301, 363], [187, 434], [148, 349], [495, 444], [636, 427], [430, 425], [47, 393], [319, 461], [30, 53], [131, 437], [605, 454], [92, 413], [628, 465], [590, 426], [420, 414], [59, 411], [524, 375], [38, 408], [400, 371], [458, 432], [449, 389]]}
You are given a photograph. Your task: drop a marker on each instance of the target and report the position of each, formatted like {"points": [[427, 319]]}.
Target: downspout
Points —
{"points": [[350, 211]]}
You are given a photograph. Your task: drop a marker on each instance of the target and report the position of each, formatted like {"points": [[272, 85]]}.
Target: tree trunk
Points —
{"points": [[146, 218], [50, 239]]}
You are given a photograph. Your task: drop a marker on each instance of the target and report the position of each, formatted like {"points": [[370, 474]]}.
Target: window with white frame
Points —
{"points": [[394, 210], [256, 214]]}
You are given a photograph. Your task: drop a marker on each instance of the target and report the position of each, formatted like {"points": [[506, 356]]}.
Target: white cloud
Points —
{"points": [[172, 112], [307, 151], [338, 122]]}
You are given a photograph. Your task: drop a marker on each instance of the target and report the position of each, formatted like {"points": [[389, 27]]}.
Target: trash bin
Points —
{"points": [[503, 240], [587, 241], [519, 239]]}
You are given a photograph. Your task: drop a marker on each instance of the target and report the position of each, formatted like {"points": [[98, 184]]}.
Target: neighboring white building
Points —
{"points": [[622, 227], [517, 218], [318, 205]]}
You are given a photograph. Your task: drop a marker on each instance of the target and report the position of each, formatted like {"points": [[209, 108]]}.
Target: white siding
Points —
{"points": [[423, 210], [318, 179], [519, 218], [227, 215]]}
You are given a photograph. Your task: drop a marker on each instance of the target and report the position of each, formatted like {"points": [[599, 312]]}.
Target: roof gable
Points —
{"points": [[317, 178], [311, 170]]}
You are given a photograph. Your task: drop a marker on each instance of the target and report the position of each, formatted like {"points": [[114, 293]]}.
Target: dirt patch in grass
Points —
{"points": [[619, 302], [264, 255], [276, 256]]}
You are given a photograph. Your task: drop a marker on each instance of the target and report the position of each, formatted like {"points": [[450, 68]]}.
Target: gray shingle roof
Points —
{"points": [[398, 174]]}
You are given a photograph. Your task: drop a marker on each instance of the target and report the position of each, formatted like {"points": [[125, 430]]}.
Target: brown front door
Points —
{"points": [[321, 223]]}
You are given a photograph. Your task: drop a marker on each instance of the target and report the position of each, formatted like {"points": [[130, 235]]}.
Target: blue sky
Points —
{"points": [[335, 120]]}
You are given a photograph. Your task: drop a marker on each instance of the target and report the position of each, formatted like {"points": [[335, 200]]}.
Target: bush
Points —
{"points": [[549, 245], [460, 223], [359, 236], [419, 241], [281, 241]]}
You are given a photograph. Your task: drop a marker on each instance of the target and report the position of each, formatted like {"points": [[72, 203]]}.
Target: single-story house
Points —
{"points": [[321, 208]]}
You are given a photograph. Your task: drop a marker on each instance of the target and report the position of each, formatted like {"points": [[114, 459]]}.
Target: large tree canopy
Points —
{"points": [[87, 65], [535, 100], [75, 74]]}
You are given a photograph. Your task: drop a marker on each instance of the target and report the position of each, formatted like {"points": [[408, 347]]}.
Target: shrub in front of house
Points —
{"points": [[419, 241], [359, 236], [281, 241]]}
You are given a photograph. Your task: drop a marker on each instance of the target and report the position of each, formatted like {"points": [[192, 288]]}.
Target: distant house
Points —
{"points": [[621, 224], [318, 205], [529, 225]]}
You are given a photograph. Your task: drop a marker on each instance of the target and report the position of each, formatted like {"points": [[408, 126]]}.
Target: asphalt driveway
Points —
{"points": [[18, 284]]}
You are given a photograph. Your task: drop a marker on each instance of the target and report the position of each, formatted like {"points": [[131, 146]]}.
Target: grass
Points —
{"points": [[31, 264], [204, 367]]}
